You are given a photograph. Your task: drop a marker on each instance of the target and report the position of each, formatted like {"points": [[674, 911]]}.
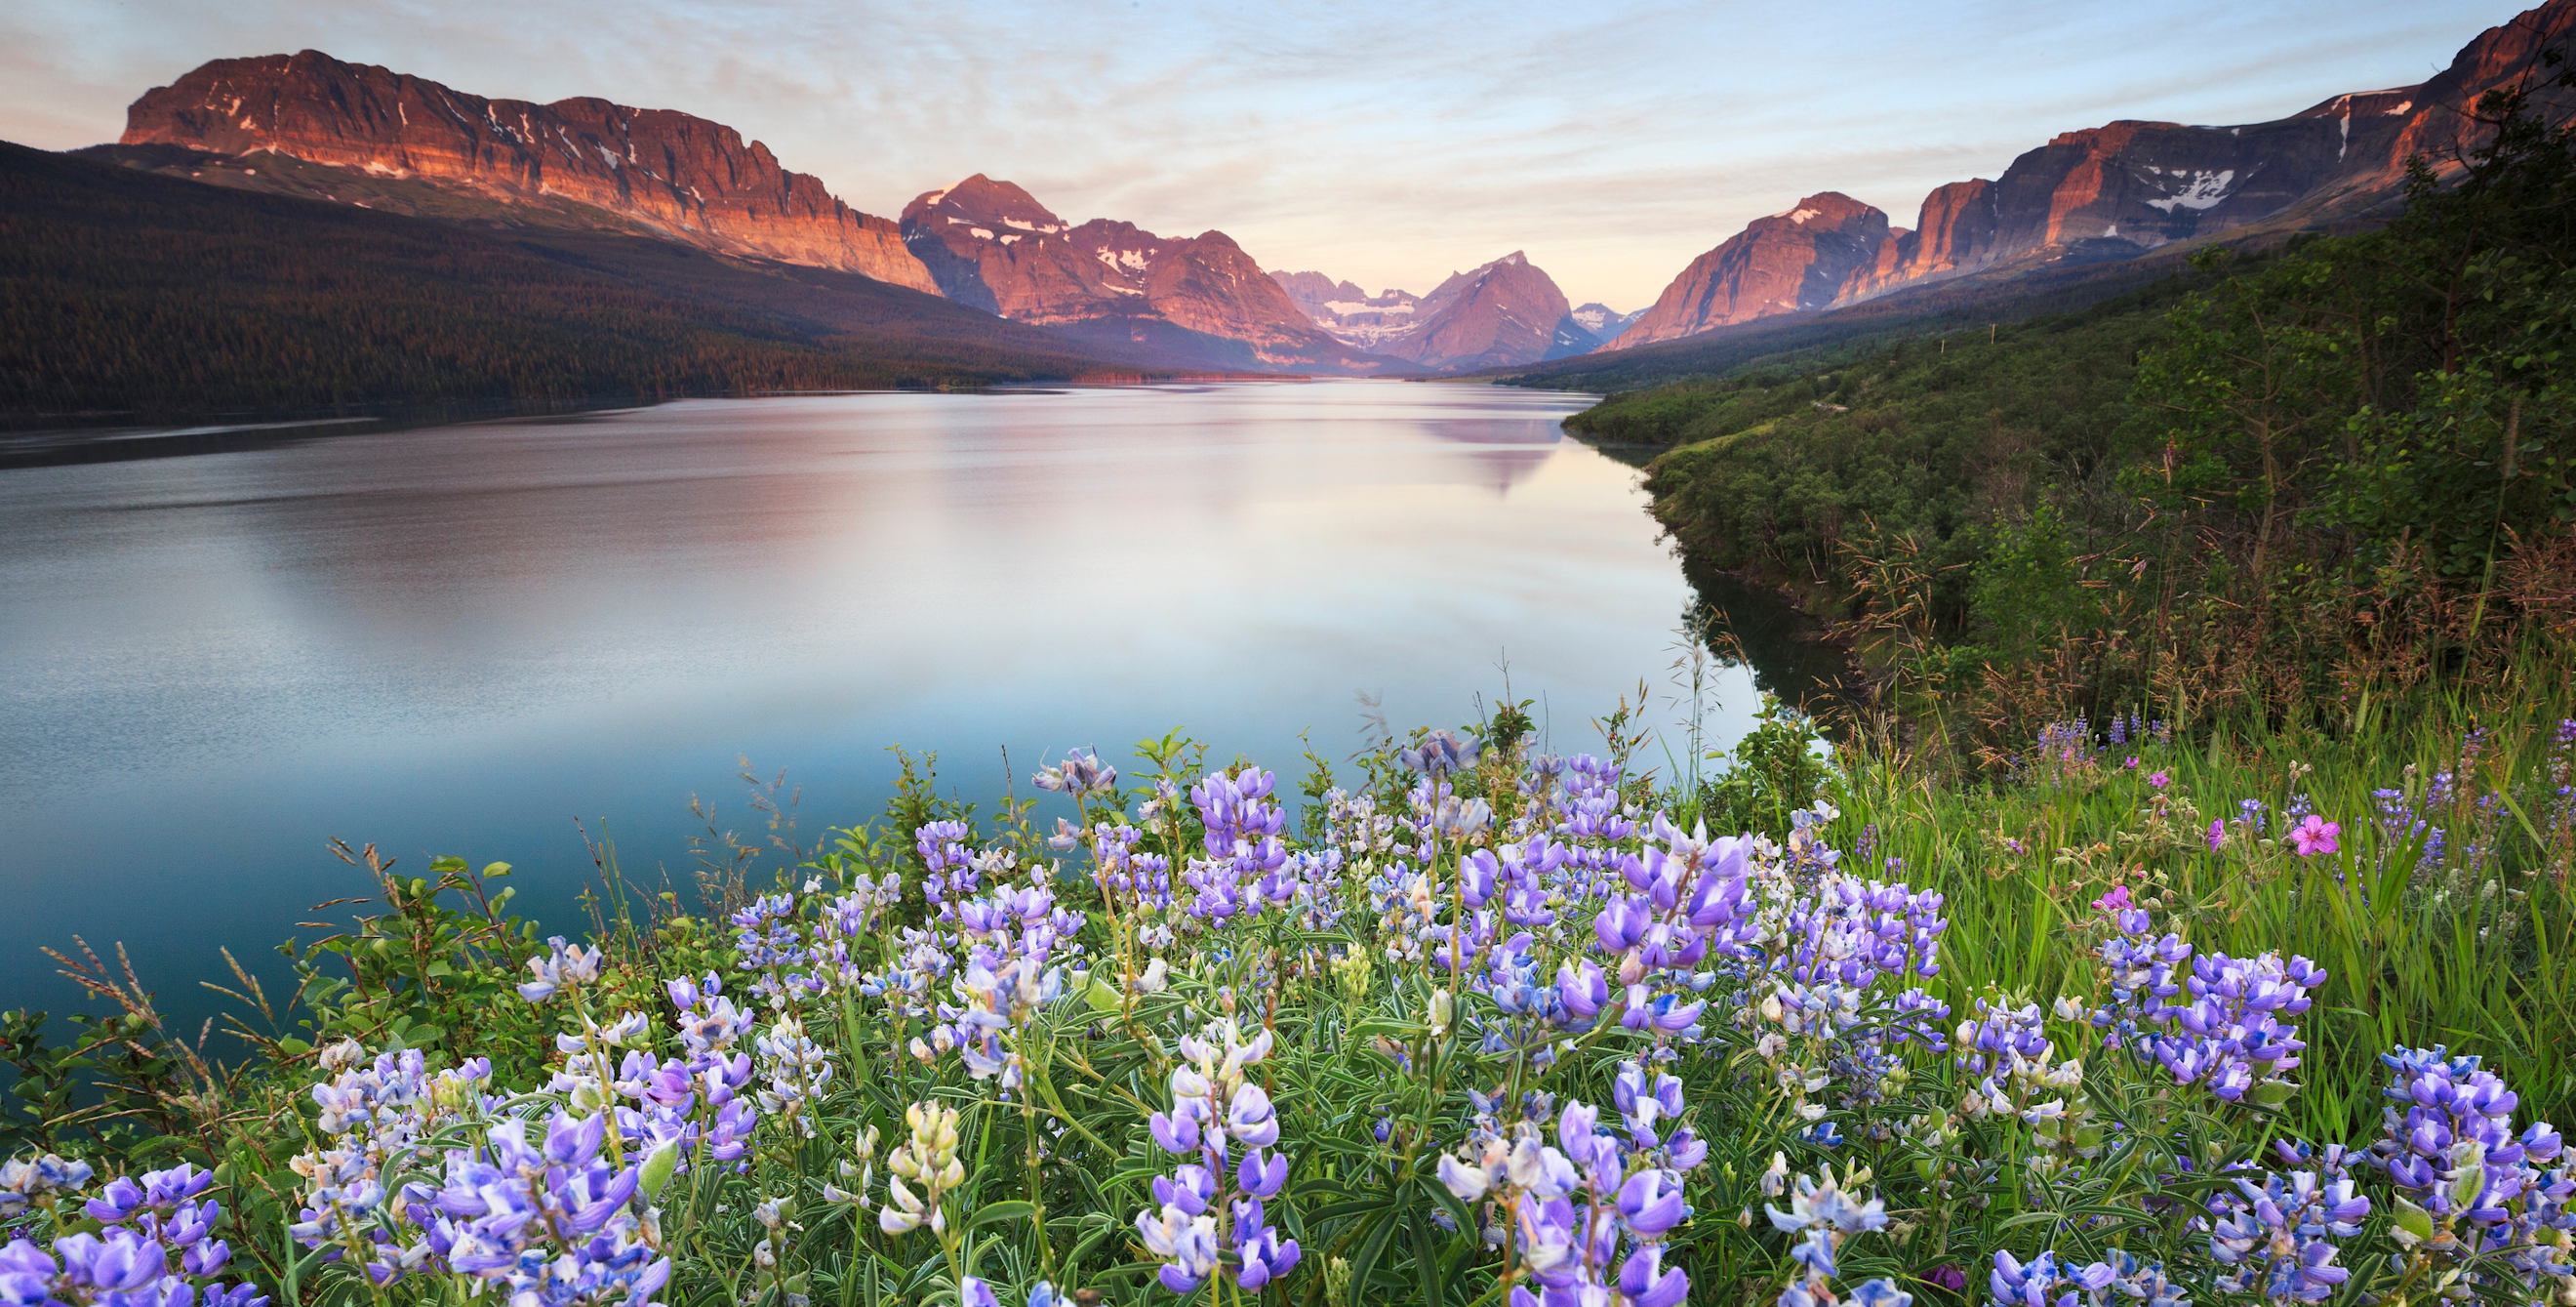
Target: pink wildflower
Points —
{"points": [[2160, 779], [2217, 835], [2314, 836], [2132, 763], [2115, 902]]}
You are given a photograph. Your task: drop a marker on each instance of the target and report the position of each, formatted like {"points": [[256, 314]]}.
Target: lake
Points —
{"points": [[463, 639]]}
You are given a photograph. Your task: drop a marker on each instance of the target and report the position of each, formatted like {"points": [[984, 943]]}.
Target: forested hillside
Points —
{"points": [[134, 295], [2273, 481]]}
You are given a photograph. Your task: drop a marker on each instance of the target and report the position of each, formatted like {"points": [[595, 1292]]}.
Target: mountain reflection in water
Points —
{"points": [[462, 639]]}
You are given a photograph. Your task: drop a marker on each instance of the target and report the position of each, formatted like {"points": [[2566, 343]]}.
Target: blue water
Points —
{"points": [[464, 639]]}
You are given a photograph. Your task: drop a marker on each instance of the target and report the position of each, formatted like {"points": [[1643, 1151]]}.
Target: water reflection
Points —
{"points": [[1753, 628], [458, 640]]}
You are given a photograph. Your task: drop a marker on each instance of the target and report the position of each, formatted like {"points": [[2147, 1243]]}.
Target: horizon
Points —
{"points": [[1496, 135]]}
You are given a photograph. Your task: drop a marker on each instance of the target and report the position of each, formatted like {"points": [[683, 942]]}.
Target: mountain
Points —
{"points": [[1806, 258], [1604, 322], [1504, 313], [2119, 191], [677, 175], [991, 244], [1500, 314], [2438, 118], [141, 297], [1351, 315]]}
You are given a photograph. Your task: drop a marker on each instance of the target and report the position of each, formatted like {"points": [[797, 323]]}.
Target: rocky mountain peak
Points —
{"points": [[1602, 322], [1831, 210], [998, 207], [1495, 314], [1805, 257], [1313, 290], [992, 244]]}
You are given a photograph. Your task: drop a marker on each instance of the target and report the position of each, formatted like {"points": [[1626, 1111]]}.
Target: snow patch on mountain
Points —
{"points": [[2206, 190]]}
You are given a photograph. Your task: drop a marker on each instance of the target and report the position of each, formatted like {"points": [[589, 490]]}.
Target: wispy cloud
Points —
{"points": [[1385, 143]]}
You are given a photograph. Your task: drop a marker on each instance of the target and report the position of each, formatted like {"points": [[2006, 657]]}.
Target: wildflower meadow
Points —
{"points": [[2146, 1021]]}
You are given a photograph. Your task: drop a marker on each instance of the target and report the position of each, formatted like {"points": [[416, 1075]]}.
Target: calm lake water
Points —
{"points": [[462, 639]]}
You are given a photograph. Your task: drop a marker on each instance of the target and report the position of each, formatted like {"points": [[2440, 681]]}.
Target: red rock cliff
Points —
{"points": [[695, 180], [1803, 259]]}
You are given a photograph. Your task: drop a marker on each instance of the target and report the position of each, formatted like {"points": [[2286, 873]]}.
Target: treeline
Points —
{"points": [[2273, 483], [132, 294]]}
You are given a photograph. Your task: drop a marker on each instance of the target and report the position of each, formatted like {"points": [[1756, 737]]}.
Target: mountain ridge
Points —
{"points": [[2115, 192], [325, 308], [991, 244], [2118, 191], [588, 163], [694, 180], [1499, 314]]}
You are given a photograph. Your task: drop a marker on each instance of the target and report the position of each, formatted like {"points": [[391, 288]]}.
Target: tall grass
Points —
{"points": [[2466, 939]]}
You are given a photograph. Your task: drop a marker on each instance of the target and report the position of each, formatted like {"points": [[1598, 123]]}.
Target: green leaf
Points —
{"points": [[1426, 1262], [1365, 1264], [1015, 1210]]}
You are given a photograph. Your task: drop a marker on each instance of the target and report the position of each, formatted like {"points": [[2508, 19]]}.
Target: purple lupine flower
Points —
{"points": [[1261, 1175], [2468, 1186], [1187, 1244], [1080, 773], [1263, 1256], [1176, 1134], [563, 964], [1643, 1281], [2277, 1237], [1582, 988], [1441, 753], [2209, 1019], [2045, 1281], [1250, 1117], [1191, 1188], [1212, 1102], [1650, 1204]]}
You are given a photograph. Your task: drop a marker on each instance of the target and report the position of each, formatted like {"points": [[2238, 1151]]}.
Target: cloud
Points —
{"points": [[1389, 144]]}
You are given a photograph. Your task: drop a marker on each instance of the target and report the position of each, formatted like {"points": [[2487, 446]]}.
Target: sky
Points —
{"points": [[1386, 143]]}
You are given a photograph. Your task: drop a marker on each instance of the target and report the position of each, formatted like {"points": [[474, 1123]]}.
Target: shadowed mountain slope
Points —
{"points": [[127, 293]]}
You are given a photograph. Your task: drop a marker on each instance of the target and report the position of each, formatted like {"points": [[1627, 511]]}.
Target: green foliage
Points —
{"points": [[2027, 586], [1773, 471], [1776, 769], [2266, 486]]}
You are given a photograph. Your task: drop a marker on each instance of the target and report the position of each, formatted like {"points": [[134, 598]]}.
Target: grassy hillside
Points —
{"points": [[125, 294]]}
